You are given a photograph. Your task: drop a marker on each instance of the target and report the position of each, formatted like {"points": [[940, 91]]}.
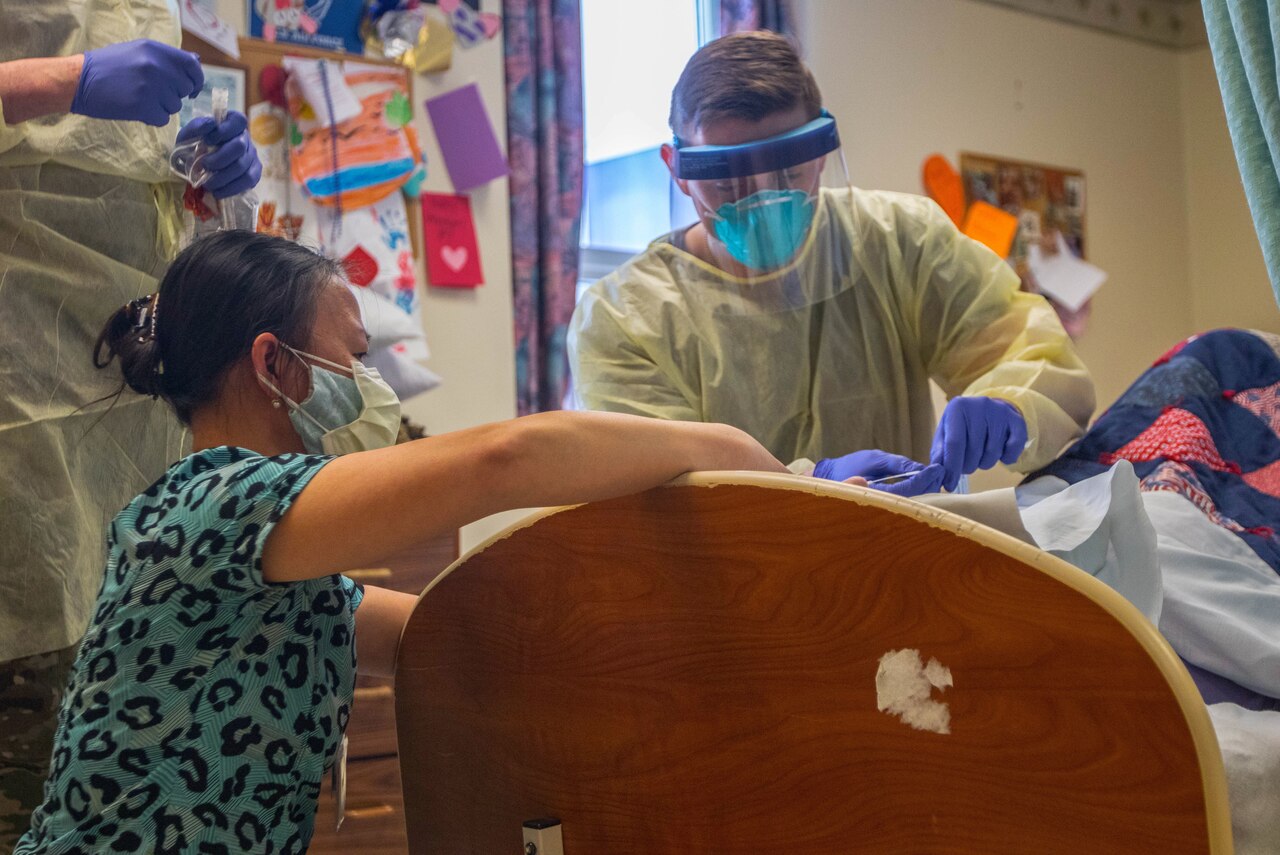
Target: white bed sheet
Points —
{"points": [[1250, 742], [1221, 601]]}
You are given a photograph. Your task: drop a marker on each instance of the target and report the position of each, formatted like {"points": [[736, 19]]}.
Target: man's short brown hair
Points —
{"points": [[742, 76]]}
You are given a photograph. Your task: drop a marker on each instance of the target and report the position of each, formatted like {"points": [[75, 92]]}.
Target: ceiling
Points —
{"points": [[1171, 23]]}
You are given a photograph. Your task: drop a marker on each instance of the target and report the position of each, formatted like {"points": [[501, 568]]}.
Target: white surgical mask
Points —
{"points": [[349, 408]]}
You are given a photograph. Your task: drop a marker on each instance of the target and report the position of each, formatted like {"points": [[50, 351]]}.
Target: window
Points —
{"points": [[632, 55]]}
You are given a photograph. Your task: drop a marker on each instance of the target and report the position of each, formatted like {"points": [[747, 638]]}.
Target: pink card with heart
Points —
{"points": [[449, 232]]}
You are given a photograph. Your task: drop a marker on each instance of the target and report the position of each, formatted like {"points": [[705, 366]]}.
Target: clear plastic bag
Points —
{"points": [[187, 158], [238, 212], [399, 31], [187, 161]]}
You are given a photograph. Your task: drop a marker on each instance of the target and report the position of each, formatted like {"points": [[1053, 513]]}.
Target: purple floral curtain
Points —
{"points": [[739, 15], [543, 45]]}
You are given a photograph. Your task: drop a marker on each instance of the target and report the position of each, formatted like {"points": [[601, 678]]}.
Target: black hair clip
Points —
{"points": [[142, 313]]}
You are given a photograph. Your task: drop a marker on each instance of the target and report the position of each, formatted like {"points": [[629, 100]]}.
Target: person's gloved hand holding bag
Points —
{"points": [[234, 167], [138, 81]]}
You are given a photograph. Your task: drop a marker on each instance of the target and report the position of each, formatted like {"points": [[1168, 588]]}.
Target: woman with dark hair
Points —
{"points": [[213, 687]]}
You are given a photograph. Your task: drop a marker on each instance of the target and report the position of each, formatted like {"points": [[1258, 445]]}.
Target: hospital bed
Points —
{"points": [[764, 663]]}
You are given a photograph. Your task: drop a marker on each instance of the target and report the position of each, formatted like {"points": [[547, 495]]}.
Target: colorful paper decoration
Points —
{"points": [[399, 112], [943, 184], [991, 227], [419, 39], [434, 50], [1048, 201], [205, 23], [327, 24], [469, 26], [283, 211], [449, 232], [361, 267], [320, 84], [1068, 280], [470, 149], [376, 150], [381, 232]]}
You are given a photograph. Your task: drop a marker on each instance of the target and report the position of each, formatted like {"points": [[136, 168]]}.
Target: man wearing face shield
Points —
{"points": [[814, 317]]}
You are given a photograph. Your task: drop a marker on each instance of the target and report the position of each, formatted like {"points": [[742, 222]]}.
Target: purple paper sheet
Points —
{"points": [[470, 148]]}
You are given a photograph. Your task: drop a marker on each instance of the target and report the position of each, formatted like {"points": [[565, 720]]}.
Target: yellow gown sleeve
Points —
{"points": [[614, 374], [981, 335]]}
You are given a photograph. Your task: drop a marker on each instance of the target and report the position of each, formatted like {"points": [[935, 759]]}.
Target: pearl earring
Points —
{"points": [[276, 403]]}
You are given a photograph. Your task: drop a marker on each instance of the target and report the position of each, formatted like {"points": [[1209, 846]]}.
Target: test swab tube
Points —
{"points": [[220, 99]]}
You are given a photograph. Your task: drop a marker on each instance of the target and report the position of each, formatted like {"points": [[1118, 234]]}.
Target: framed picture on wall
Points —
{"points": [[1049, 202]]}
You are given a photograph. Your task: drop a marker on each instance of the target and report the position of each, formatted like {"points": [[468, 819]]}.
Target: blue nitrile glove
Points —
{"points": [[234, 166], [872, 464], [138, 81], [975, 433]]}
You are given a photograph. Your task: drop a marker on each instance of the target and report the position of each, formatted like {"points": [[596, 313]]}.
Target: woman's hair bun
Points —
{"points": [[130, 336]]}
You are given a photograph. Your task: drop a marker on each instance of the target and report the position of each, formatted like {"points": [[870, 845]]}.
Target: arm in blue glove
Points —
{"points": [[138, 81], [975, 433], [872, 464], [234, 167]]}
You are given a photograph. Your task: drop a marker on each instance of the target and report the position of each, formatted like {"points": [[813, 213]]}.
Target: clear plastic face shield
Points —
{"points": [[759, 202]]}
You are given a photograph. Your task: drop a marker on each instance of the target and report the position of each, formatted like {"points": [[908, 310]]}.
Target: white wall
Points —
{"points": [[470, 332], [1227, 276], [906, 78]]}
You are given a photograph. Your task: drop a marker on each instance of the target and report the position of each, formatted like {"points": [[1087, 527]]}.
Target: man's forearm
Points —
{"points": [[30, 88]]}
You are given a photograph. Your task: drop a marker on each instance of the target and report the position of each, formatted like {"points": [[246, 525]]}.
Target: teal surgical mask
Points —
{"points": [[766, 229], [349, 409]]}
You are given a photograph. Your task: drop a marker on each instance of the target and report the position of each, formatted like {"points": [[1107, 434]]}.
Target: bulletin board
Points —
{"points": [[257, 54], [1049, 202], [366, 225], [1045, 199]]}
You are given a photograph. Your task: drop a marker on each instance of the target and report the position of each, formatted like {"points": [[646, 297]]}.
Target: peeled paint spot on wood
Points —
{"points": [[904, 688]]}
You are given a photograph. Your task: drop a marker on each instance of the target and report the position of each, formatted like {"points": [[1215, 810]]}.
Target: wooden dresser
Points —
{"points": [[374, 823]]}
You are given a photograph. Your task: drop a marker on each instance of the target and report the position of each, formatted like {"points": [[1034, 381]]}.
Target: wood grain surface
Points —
{"points": [[693, 670], [375, 815], [374, 821]]}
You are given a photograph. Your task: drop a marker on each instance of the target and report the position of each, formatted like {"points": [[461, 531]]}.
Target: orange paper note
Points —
{"points": [[991, 227], [943, 184]]}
